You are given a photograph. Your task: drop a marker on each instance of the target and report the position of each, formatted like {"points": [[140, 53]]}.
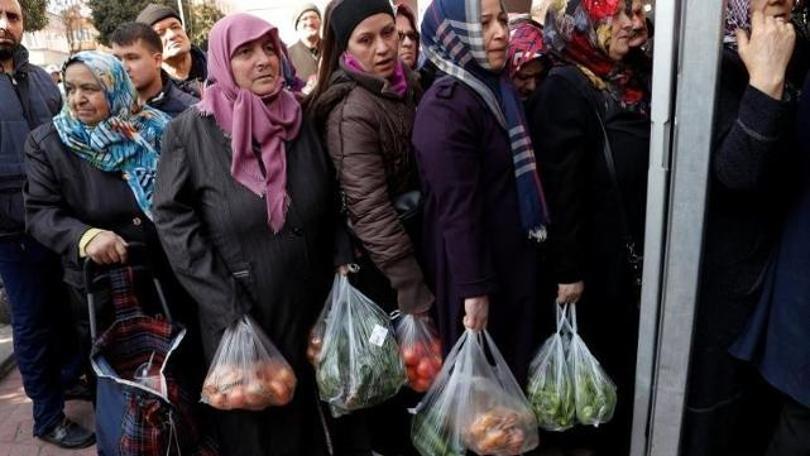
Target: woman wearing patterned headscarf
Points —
{"points": [[729, 411], [591, 126], [243, 205], [484, 209], [91, 174], [528, 61]]}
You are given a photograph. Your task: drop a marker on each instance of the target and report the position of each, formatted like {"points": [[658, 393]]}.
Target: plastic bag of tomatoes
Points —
{"points": [[421, 350], [248, 372], [474, 405]]}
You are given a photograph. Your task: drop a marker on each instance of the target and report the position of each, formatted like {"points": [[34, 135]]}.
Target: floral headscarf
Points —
{"points": [[128, 141], [452, 38], [525, 44], [579, 32]]}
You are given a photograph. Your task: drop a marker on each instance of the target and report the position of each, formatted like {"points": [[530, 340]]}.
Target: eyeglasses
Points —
{"points": [[413, 36]]}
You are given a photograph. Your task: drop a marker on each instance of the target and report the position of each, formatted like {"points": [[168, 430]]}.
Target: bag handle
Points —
{"points": [[120, 279]]}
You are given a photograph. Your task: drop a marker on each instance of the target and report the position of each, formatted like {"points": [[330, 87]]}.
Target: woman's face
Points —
{"points": [[85, 96], [495, 24], [408, 41], [528, 78], [255, 66], [774, 8], [375, 44], [621, 33]]}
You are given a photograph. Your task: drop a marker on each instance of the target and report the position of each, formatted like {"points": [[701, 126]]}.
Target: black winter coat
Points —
{"points": [[216, 236], [65, 196], [586, 231], [752, 177]]}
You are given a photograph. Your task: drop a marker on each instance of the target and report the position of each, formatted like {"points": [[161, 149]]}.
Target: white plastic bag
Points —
{"points": [[421, 350], [475, 404], [248, 372], [357, 357], [594, 391], [550, 389]]}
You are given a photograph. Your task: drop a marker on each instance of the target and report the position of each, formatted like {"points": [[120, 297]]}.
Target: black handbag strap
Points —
{"points": [[579, 80]]}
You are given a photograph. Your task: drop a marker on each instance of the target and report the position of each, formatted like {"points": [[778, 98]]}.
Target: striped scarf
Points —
{"points": [[128, 141], [452, 39]]}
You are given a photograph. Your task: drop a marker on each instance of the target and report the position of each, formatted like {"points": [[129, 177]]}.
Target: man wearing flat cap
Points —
{"points": [[304, 54], [185, 63]]}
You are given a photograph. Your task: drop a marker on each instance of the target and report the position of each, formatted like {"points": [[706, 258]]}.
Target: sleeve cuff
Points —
{"points": [[761, 116], [88, 236]]}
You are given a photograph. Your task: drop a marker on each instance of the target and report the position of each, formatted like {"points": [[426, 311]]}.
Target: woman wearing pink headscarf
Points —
{"points": [[243, 206]]}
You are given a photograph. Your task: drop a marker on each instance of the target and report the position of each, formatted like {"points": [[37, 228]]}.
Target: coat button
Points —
{"points": [[297, 232], [137, 221]]}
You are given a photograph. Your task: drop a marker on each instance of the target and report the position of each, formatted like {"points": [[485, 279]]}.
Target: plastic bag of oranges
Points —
{"points": [[248, 372]]}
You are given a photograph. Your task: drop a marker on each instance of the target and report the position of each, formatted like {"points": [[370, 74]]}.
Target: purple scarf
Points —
{"points": [[268, 121], [397, 82]]}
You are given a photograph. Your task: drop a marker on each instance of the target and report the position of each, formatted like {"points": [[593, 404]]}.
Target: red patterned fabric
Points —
{"points": [[525, 44], [578, 32]]}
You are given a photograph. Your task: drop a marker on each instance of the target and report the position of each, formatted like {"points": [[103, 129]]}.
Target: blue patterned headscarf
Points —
{"points": [[128, 141], [453, 40]]}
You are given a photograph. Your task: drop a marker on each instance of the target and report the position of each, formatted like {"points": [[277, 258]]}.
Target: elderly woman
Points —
{"points": [[243, 205], [90, 184], [755, 158], [591, 128], [528, 61], [484, 208]]}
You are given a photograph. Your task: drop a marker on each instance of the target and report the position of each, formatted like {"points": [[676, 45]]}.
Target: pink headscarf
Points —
{"points": [[268, 121]]}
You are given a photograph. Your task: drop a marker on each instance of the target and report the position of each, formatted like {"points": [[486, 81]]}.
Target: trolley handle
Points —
{"points": [[95, 274]]}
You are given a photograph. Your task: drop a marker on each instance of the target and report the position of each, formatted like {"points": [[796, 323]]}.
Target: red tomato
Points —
{"points": [[436, 347], [236, 398], [421, 385], [412, 374], [426, 369], [409, 355]]}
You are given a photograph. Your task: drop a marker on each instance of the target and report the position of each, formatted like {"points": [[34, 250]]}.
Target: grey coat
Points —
{"points": [[216, 236]]}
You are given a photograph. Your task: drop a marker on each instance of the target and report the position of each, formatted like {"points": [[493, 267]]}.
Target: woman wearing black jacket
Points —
{"points": [[728, 410], [590, 101]]}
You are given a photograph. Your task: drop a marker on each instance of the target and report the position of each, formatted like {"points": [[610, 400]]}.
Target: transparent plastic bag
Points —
{"points": [[248, 372], [358, 363], [475, 404], [421, 350], [594, 392], [550, 389]]}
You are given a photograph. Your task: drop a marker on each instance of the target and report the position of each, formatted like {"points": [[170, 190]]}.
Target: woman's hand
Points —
{"points": [[107, 248], [767, 52], [476, 313], [569, 293]]}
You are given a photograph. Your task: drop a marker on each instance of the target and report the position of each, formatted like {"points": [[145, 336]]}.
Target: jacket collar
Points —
{"points": [[19, 59], [374, 84]]}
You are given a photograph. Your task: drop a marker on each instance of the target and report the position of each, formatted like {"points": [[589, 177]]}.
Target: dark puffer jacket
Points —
{"points": [[367, 130], [29, 99]]}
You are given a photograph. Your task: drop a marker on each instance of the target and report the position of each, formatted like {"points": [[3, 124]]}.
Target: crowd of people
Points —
{"points": [[474, 169]]}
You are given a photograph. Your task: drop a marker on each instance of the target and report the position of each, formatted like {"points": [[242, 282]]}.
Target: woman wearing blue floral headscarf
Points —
{"points": [[91, 171]]}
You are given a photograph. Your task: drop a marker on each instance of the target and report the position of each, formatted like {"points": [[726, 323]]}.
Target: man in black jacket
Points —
{"points": [[139, 48], [185, 63], [31, 273]]}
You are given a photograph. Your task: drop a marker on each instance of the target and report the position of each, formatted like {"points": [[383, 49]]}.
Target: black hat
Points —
{"points": [[348, 13], [156, 13]]}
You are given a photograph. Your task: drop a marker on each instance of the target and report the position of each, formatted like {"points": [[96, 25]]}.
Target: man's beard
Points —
{"points": [[7, 51]]}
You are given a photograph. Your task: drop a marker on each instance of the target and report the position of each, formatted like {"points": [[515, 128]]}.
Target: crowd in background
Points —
{"points": [[472, 169]]}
